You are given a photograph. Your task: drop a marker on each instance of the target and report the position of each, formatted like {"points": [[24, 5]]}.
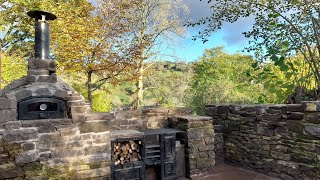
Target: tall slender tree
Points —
{"points": [[155, 23]]}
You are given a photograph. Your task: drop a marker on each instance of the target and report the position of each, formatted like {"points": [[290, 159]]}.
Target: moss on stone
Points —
{"points": [[35, 169], [7, 167], [13, 149]]}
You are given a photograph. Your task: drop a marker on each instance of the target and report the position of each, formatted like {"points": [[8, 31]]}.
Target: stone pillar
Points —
{"points": [[199, 142]]}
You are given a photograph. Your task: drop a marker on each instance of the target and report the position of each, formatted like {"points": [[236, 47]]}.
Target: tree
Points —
{"points": [[167, 83], [84, 38], [281, 28], [97, 43], [219, 77], [155, 22], [290, 86], [12, 68]]}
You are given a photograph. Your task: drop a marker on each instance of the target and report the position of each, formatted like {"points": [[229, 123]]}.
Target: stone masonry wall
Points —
{"points": [[279, 140], [199, 143], [64, 148]]}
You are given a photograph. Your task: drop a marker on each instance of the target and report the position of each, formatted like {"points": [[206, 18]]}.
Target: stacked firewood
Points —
{"points": [[125, 152]]}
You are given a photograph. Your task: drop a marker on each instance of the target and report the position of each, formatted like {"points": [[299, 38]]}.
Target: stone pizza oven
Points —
{"points": [[41, 94]]}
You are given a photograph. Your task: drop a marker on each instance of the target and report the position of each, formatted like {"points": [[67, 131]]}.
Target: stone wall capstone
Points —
{"points": [[279, 140]]}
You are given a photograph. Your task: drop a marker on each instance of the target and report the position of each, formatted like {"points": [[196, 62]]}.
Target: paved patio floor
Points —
{"points": [[227, 172]]}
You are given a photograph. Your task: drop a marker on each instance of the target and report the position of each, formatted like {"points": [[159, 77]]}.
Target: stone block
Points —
{"points": [[78, 118], [38, 72], [24, 93], [35, 169], [280, 156], [271, 117], [295, 116], [97, 165], [195, 124], [75, 103], [11, 173], [312, 118], [48, 140], [61, 94], [97, 149], [103, 137], [203, 155], [294, 108], [211, 154], [209, 111], [311, 106], [47, 129], [75, 97], [53, 78], [312, 130], [92, 173], [66, 152], [21, 134], [31, 78], [8, 115], [44, 156], [206, 148], [7, 104], [31, 64], [28, 146], [42, 63], [295, 126], [68, 130], [209, 140], [95, 126], [26, 157], [12, 125], [43, 92], [13, 149], [205, 163], [78, 109], [222, 109], [43, 78]]}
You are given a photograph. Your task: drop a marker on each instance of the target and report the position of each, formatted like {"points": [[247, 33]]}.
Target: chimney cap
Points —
{"points": [[37, 14]]}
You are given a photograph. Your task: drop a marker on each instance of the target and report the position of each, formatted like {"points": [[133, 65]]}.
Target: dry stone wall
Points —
{"points": [[279, 140]]}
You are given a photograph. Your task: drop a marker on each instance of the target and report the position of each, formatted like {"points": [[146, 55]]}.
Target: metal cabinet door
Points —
{"points": [[168, 156]]}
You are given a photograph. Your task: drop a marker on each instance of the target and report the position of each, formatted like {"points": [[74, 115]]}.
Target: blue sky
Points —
{"points": [[230, 36]]}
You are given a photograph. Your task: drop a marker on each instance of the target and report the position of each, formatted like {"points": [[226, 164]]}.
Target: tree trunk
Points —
{"points": [[89, 86], [140, 87]]}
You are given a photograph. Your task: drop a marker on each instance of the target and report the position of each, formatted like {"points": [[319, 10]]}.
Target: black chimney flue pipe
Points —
{"points": [[42, 33]]}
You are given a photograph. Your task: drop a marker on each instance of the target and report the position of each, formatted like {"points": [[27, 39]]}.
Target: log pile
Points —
{"points": [[125, 152]]}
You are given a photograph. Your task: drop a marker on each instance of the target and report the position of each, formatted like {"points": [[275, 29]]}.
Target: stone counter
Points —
{"points": [[64, 149]]}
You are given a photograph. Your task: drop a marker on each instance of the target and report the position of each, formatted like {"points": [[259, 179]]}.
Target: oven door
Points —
{"points": [[41, 108]]}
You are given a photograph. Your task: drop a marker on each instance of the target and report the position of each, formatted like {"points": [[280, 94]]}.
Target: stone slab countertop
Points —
{"points": [[117, 134]]}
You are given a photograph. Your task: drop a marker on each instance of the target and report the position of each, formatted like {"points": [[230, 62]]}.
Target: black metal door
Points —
{"points": [[168, 164]]}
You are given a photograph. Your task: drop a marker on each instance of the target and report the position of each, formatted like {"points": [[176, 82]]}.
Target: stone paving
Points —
{"points": [[227, 172]]}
